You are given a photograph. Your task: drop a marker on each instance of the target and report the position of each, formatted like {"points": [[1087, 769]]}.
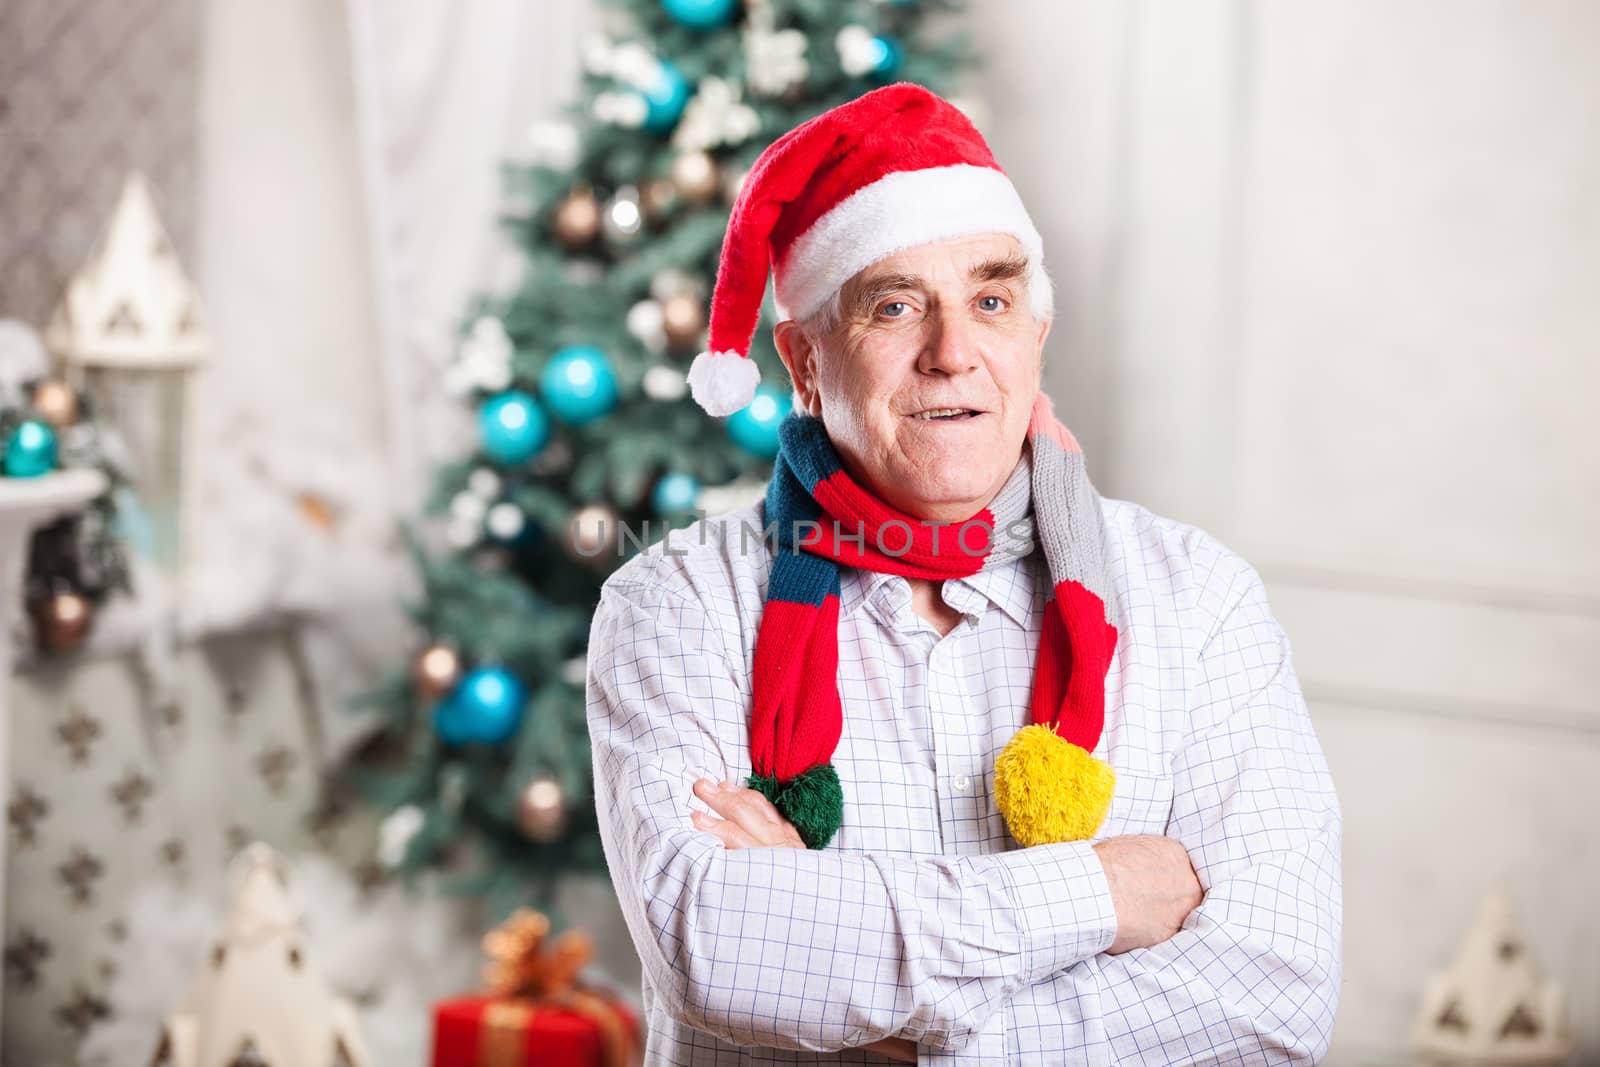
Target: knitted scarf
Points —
{"points": [[1047, 785]]}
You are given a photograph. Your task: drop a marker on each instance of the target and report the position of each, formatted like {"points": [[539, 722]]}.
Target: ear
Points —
{"points": [[799, 357]]}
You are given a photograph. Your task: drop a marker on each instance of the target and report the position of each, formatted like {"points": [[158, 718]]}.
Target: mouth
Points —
{"points": [[945, 414]]}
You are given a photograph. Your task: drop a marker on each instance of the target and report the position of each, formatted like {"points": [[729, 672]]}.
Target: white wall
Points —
{"points": [[1328, 278]]}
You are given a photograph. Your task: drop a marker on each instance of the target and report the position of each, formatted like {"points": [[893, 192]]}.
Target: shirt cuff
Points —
{"points": [[1063, 904]]}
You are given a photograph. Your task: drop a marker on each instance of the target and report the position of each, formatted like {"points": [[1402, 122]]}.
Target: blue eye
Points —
{"points": [[998, 301], [884, 310]]}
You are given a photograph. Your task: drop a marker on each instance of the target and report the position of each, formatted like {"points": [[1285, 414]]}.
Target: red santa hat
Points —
{"points": [[895, 168]]}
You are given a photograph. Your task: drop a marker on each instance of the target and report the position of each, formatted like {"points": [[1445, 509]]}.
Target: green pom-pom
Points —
{"points": [[813, 802]]}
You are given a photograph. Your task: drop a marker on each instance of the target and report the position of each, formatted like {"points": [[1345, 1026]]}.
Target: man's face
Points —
{"points": [[937, 327]]}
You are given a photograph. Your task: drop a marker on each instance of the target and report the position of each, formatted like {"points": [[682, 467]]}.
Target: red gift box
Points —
{"points": [[535, 1010], [489, 1031]]}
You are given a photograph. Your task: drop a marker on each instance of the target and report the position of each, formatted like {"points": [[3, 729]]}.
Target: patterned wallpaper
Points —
{"points": [[89, 89]]}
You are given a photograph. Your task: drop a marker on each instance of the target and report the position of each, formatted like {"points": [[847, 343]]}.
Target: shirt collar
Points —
{"points": [[1011, 586]]}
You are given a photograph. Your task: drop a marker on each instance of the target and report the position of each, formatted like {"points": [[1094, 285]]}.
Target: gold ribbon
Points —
{"points": [[525, 974]]}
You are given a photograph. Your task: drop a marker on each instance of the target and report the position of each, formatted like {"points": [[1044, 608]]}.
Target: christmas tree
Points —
{"points": [[589, 447]]}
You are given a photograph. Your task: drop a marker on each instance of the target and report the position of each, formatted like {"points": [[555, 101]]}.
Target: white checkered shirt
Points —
{"points": [[922, 918]]}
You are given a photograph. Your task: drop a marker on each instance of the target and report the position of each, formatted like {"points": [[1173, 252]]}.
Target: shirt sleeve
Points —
{"points": [[797, 948], [1253, 975]]}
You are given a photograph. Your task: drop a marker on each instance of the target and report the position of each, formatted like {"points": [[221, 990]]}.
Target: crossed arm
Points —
{"points": [[751, 944]]}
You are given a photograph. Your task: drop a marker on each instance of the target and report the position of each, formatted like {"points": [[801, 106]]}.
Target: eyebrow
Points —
{"points": [[1000, 268]]}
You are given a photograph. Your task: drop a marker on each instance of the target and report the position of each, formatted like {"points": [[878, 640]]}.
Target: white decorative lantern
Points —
{"points": [[258, 999], [1491, 1009], [129, 330]]}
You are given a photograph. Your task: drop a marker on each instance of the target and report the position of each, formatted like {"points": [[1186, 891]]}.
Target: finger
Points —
{"points": [[757, 810], [731, 834]]}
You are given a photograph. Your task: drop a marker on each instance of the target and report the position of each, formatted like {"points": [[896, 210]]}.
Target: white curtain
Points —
{"points": [[445, 93]]}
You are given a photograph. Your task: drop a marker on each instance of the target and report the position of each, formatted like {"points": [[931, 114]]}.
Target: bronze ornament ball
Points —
{"points": [[55, 402], [695, 175], [63, 621], [435, 671], [592, 533], [683, 318], [542, 809], [577, 219]]}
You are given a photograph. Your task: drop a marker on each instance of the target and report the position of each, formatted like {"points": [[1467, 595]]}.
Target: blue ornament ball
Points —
{"points": [[890, 56], [485, 708], [512, 428], [665, 98], [701, 14], [31, 451], [675, 491], [578, 385], [754, 427]]}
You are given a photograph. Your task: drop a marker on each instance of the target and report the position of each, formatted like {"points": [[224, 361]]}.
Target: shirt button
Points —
{"points": [[963, 783]]}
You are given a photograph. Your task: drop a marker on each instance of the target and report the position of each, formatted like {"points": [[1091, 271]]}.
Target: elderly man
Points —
{"points": [[937, 756]]}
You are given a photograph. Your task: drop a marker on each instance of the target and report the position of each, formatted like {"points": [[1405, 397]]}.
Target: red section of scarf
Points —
{"points": [[859, 530]]}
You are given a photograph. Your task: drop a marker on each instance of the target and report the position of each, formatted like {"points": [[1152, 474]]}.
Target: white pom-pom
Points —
{"points": [[723, 382]]}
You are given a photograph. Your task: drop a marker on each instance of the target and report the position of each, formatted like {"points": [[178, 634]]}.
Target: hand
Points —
{"points": [[748, 818], [750, 821], [1153, 887]]}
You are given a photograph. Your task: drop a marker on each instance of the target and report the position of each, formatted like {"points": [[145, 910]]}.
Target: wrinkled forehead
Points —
{"points": [[977, 257]]}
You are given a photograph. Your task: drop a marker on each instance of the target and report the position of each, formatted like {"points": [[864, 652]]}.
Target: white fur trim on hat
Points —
{"points": [[723, 382], [898, 211]]}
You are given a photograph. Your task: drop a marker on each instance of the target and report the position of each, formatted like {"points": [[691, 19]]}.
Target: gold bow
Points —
{"points": [[520, 966], [522, 969]]}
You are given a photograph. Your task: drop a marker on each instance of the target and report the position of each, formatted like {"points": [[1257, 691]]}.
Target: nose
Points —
{"points": [[948, 346]]}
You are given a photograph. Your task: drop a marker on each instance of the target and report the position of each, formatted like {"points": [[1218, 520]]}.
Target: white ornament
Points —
{"points": [[131, 305], [723, 382], [645, 322], [623, 217], [665, 383], [484, 355], [468, 507], [634, 64], [859, 51], [395, 834], [620, 109], [484, 482], [505, 521], [553, 143], [463, 534], [258, 990], [596, 52], [715, 117], [775, 60], [575, 671]]}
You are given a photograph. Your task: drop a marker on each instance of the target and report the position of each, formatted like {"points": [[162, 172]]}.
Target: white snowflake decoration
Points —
{"points": [[665, 383], [483, 359], [774, 60], [505, 520], [484, 482], [646, 323], [620, 109], [715, 117]]}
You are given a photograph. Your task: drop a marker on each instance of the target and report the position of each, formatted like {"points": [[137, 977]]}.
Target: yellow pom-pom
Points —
{"points": [[1049, 789]]}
